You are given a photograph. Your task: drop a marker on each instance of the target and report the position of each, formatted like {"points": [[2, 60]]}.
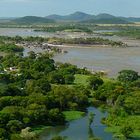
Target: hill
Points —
{"points": [[102, 18], [83, 17], [32, 20], [131, 19], [77, 16], [106, 19]]}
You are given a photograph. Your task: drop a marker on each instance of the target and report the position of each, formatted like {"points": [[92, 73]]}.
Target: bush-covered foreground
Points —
{"points": [[34, 91], [123, 98]]}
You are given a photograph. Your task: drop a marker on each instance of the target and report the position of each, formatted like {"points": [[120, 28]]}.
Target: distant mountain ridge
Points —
{"points": [[104, 16], [131, 19], [32, 20], [75, 17], [83, 17]]}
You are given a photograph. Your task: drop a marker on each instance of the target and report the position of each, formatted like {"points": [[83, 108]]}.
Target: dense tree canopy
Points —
{"points": [[128, 76], [34, 93]]}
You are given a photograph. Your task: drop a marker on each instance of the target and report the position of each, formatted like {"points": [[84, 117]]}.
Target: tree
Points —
{"points": [[56, 116], [91, 117], [37, 114], [126, 130], [32, 55], [128, 76], [16, 137], [95, 82], [14, 126], [136, 83], [11, 90], [43, 84], [132, 103], [38, 86], [69, 78], [56, 78], [3, 133], [26, 134]]}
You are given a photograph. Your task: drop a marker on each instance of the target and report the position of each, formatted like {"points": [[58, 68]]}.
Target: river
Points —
{"points": [[111, 60], [108, 59], [79, 130]]}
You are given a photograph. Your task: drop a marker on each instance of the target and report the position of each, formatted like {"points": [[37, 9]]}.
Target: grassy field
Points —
{"points": [[73, 115], [40, 128], [81, 79], [106, 79]]}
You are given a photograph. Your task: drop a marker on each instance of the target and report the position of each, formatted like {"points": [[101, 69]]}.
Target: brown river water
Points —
{"points": [[109, 59]]}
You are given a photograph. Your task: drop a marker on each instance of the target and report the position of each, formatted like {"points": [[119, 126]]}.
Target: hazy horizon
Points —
{"points": [[66, 15], [20, 8]]}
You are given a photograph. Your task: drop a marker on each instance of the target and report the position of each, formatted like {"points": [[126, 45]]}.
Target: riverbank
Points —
{"points": [[69, 115], [82, 46], [77, 126], [105, 132], [74, 117], [79, 129]]}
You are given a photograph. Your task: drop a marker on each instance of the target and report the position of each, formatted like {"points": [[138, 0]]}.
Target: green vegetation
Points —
{"points": [[128, 76], [133, 33], [126, 131], [18, 39], [73, 115], [81, 79], [39, 129], [111, 20], [130, 121], [31, 20], [91, 118], [77, 41], [95, 82], [122, 95], [70, 28], [28, 99], [9, 47], [86, 41]]}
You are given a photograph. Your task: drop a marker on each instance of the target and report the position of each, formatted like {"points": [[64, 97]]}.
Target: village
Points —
{"points": [[50, 48]]}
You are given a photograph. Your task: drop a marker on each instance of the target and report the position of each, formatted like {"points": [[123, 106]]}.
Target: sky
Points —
{"points": [[19, 8]]}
